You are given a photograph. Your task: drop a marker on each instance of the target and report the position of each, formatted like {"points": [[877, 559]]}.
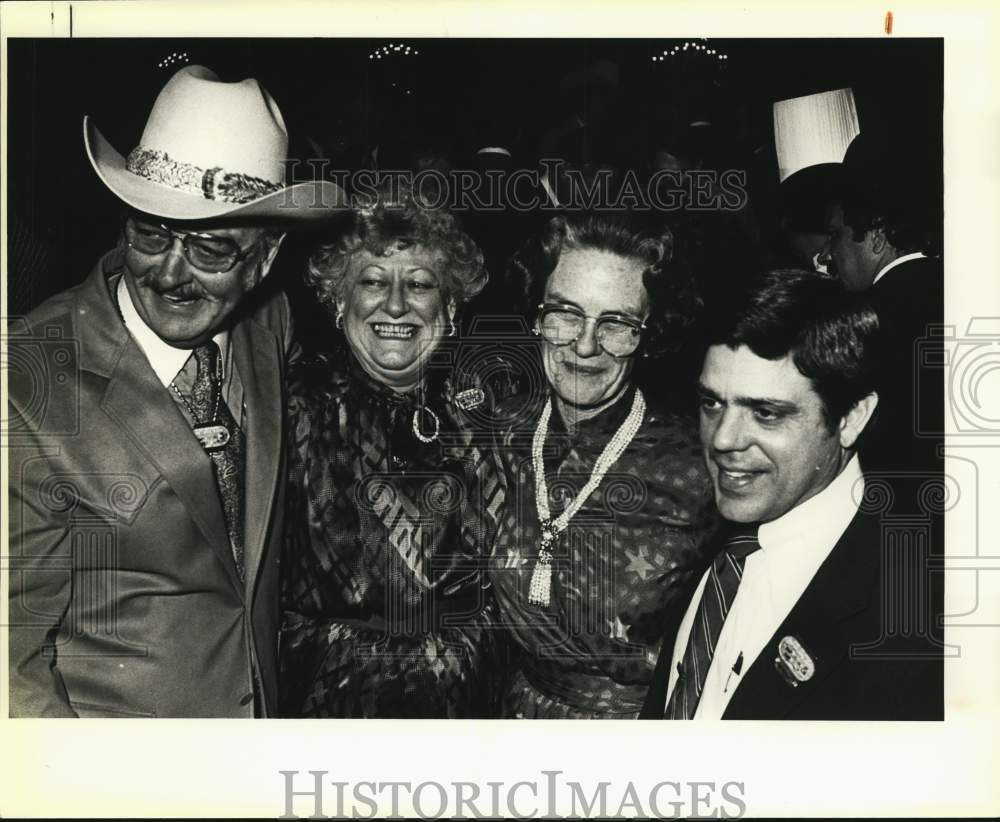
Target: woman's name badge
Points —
{"points": [[470, 398], [794, 662], [212, 437]]}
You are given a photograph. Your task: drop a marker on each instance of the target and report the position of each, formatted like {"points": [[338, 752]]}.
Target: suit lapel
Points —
{"points": [[842, 587], [256, 354], [147, 414]]}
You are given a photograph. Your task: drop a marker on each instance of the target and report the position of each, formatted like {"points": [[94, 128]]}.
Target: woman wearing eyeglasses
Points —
{"points": [[610, 505]]}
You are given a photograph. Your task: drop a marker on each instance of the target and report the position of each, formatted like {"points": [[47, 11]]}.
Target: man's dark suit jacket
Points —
{"points": [[124, 596], [847, 612], [908, 429]]}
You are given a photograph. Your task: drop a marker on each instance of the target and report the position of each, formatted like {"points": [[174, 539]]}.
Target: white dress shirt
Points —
{"points": [[898, 261], [792, 549]]}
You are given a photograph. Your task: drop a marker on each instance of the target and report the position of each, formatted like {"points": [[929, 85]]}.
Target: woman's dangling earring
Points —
{"points": [[339, 321]]}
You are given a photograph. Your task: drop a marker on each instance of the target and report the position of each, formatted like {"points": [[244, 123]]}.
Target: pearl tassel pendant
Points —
{"points": [[540, 587]]}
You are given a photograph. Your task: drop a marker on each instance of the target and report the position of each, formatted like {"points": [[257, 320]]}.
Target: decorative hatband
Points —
{"points": [[212, 183]]}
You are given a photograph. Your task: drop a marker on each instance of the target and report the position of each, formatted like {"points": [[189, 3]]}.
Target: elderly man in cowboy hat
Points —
{"points": [[145, 428]]}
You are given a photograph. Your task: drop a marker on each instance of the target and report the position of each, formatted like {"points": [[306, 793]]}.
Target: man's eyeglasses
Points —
{"points": [[618, 334], [206, 252]]}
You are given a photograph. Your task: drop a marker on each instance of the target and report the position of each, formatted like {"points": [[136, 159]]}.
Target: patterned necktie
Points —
{"points": [[229, 457], [716, 600]]}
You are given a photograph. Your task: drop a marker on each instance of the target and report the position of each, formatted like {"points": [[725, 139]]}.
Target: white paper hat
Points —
{"points": [[814, 129]]}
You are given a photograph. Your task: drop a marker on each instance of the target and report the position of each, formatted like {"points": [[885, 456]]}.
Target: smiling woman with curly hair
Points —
{"points": [[392, 504], [393, 222]]}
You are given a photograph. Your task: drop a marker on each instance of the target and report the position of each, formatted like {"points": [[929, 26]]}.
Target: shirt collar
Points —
{"points": [[916, 255], [818, 522], [164, 359]]}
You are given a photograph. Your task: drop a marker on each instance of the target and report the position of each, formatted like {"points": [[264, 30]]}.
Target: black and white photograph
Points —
{"points": [[449, 377]]}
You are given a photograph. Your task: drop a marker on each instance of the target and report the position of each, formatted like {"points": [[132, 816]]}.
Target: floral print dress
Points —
{"points": [[622, 572]]}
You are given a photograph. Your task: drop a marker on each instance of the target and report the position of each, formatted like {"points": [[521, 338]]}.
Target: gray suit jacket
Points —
{"points": [[124, 596]]}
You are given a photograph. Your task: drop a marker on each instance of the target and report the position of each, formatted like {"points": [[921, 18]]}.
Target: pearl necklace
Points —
{"points": [[540, 589], [416, 424]]}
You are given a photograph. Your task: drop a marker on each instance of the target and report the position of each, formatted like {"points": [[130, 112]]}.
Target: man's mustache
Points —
{"points": [[188, 291]]}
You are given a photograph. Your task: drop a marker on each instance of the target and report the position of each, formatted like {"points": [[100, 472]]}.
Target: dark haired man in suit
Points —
{"points": [[789, 621], [884, 240]]}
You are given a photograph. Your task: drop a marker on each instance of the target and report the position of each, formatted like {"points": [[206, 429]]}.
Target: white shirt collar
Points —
{"points": [[164, 359], [793, 547], [820, 520], [916, 255], [494, 150]]}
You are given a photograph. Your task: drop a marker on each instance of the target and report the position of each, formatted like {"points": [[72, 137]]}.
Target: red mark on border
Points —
{"points": [[888, 22]]}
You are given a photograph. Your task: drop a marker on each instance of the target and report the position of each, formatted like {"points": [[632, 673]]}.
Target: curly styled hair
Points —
{"points": [[674, 301], [392, 220]]}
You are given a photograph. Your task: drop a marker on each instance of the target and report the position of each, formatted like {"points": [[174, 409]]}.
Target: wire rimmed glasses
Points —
{"points": [[206, 252], [617, 334]]}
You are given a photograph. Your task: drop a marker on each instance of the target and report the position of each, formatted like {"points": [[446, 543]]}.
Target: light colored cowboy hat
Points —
{"points": [[210, 150]]}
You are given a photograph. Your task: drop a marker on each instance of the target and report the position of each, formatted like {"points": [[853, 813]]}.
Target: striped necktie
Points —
{"points": [[716, 600]]}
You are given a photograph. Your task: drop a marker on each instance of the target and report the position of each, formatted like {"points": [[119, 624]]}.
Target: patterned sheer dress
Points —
{"points": [[622, 571], [387, 611]]}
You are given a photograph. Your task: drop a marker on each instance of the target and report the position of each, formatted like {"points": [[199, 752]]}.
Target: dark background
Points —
{"points": [[455, 96]]}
